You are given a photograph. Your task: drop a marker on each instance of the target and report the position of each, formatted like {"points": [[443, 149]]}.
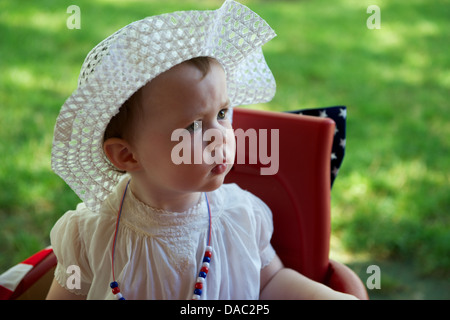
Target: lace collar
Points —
{"points": [[145, 215]]}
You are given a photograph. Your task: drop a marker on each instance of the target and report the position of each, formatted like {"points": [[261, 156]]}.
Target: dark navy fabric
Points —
{"points": [[339, 115]]}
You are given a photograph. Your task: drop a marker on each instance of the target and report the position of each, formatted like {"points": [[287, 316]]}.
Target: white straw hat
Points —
{"points": [[128, 59]]}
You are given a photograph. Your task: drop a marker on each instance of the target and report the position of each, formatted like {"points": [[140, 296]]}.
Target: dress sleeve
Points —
{"points": [[72, 271], [264, 231]]}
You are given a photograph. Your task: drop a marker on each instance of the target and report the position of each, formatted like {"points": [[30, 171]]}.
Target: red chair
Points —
{"points": [[298, 195]]}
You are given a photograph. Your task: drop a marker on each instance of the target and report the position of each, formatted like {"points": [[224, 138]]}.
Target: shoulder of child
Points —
{"points": [[234, 193], [75, 223]]}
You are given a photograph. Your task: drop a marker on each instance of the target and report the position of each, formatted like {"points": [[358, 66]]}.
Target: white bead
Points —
{"points": [[118, 295], [201, 280], [208, 248], [195, 297], [205, 264]]}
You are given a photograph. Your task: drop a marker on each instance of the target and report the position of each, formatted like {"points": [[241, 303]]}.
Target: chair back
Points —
{"points": [[299, 192]]}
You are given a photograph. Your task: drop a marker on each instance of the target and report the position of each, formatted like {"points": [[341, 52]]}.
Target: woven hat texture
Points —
{"points": [[128, 59]]}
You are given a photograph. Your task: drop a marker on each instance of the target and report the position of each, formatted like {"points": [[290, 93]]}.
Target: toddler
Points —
{"points": [[150, 227]]}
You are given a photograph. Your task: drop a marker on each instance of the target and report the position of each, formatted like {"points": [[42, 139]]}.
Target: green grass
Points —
{"points": [[391, 201]]}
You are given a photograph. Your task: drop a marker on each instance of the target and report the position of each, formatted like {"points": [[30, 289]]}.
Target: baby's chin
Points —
{"points": [[216, 177]]}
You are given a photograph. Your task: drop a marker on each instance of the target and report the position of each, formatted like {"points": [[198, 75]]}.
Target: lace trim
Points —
{"points": [[144, 215], [61, 277], [159, 210]]}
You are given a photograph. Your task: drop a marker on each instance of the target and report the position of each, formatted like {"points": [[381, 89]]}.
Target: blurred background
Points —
{"points": [[391, 200]]}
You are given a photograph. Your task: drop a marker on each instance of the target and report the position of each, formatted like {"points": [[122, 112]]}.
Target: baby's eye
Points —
{"points": [[195, 126], [222, 115]]}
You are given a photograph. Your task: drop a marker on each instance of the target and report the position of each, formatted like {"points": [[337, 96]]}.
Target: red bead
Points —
{"points": [[204, 269], [208, 254], [199, 285], [115, 290]]}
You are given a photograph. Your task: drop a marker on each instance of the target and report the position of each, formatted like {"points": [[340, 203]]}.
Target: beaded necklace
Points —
{"points": [[205, 262]]}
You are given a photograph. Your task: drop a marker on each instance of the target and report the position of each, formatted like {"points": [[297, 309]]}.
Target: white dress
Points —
{"points": [[158, 255]]}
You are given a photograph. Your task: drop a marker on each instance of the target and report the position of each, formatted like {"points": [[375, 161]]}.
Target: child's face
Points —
{"points": [[174, 100]]}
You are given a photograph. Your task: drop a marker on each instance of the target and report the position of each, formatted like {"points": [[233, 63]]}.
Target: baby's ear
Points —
{"points": [[120, 154]]}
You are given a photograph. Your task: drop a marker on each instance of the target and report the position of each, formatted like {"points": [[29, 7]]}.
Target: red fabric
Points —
{"points": [[5, 293], [20, 277], [38, 257], [299, 194]]}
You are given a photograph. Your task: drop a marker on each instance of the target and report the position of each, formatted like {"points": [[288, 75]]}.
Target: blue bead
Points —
{"points": [[207, 259], [121, 298], [114, 284], [202, 274], [198, 292]]}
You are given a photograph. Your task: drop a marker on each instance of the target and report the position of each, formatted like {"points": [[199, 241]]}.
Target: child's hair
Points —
{"points": [[121, 123]]}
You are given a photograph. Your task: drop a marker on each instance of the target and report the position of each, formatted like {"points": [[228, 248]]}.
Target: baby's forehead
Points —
{"points": [[185, 76], [185, 90]]}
